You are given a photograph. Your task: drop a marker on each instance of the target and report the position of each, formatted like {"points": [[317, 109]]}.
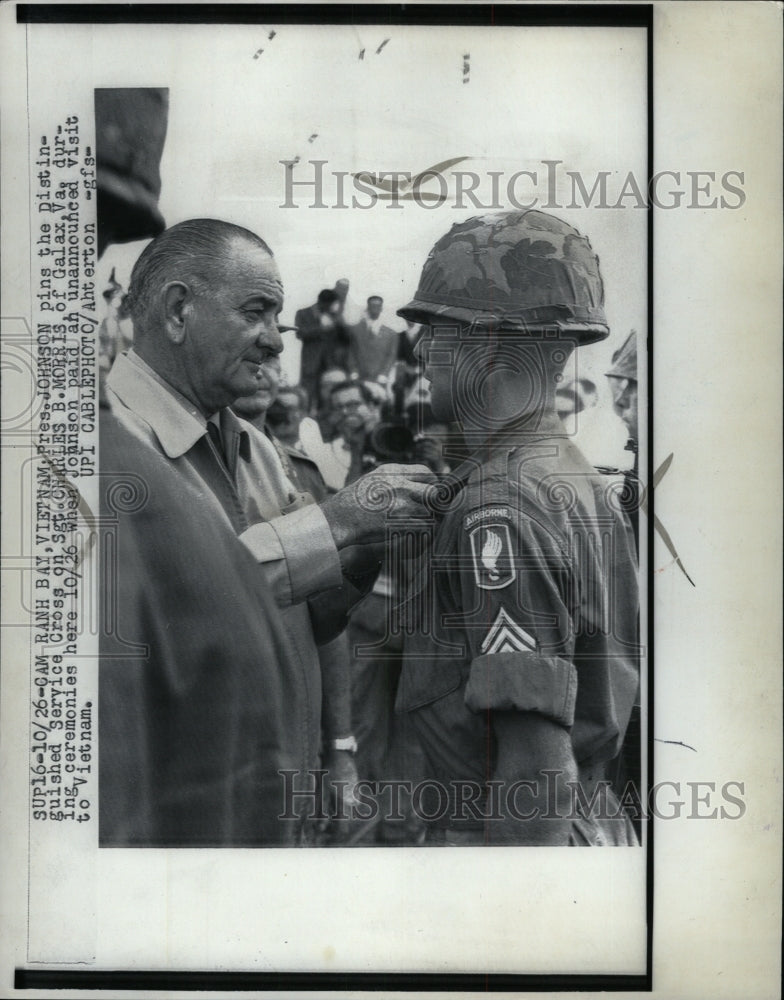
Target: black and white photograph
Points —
{"points": [[354, 346], [429, 632]]}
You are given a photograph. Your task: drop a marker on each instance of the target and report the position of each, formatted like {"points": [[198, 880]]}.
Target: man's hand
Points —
{"points": [[358, 514], [341, 780], [347, 826]]}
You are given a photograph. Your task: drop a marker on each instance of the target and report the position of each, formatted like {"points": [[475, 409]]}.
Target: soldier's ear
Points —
{"points": [[176, 306]]}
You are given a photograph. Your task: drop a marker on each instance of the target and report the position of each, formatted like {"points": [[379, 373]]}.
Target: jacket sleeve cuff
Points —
{"points": [[299, 553], [525, 682]]}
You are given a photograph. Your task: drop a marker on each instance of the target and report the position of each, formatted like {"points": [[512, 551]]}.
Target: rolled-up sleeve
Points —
{"points": [[524, 682], [515, 577], [298, 554]]}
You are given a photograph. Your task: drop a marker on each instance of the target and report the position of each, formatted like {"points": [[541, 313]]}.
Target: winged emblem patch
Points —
{"points": [[491, 548]]}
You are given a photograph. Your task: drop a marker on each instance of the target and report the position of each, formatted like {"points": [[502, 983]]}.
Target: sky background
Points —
{"points": [[572, 94]]}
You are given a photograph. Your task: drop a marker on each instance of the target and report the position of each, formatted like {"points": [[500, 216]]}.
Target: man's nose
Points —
{"points": [[269, 336]]}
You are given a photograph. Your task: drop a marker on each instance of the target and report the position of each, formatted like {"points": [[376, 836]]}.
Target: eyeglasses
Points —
{"points": [[350, 405]]}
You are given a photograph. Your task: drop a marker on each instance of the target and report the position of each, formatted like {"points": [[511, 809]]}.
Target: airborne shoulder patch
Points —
{"points": [[491, 549], [486, 513]]}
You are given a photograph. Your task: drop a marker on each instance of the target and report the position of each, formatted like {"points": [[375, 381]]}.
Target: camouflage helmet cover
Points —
{"points": [[517, 271]]}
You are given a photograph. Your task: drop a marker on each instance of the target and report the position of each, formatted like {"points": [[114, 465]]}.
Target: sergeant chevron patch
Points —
{"points": [[506, 636]]}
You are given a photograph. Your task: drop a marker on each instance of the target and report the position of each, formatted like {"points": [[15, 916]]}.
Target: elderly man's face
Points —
{"points": [[231, 328]]}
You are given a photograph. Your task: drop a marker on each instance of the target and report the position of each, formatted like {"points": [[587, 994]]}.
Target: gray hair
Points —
{"points": [[193, 251]]}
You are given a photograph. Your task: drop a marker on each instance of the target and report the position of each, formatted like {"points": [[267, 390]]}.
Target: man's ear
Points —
{"points": [[175, 300]]}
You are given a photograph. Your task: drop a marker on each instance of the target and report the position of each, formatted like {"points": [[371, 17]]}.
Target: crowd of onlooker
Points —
{"points": [[358, 372]]}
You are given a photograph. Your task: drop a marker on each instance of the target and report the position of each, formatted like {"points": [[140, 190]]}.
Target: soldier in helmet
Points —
{"points": [[623, 380], [623, 383], [520, 674]]}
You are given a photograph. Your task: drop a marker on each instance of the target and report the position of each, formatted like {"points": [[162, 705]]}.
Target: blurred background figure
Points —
{"points": [[623, 382], [373, 345], [407, 342], [407, 430], [324, 413], [254, 408], [277, 411], [576, 405], [592, 424], [130, 130], [622, 378], [350, 313], [377, 397], [286, 414], [353, 414], [115, 334], [324, 340]]}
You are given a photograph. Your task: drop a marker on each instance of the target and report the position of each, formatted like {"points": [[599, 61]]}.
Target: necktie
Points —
{"points": [[217, 440]]}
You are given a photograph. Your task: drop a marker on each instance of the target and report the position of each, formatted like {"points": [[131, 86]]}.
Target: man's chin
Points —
{"points": [[248, 412], [243, 393]]}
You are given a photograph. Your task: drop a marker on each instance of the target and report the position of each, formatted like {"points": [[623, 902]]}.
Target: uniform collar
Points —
{"points": [[507, 440], [521, 434]]}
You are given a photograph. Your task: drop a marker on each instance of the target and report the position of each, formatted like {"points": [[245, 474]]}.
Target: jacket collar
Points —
{"points": [[174, 420]]}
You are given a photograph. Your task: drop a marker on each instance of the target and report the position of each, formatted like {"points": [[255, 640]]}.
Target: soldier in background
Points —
{"points": [[623, 382], [520, 672]]}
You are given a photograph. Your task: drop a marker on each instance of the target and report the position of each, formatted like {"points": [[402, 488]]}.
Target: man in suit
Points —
{"points": [[204, 297], [200, 688], [373, 345], [324, 339]]}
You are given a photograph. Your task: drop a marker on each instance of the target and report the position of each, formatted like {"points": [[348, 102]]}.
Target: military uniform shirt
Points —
{"points": [[528, 601]]}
